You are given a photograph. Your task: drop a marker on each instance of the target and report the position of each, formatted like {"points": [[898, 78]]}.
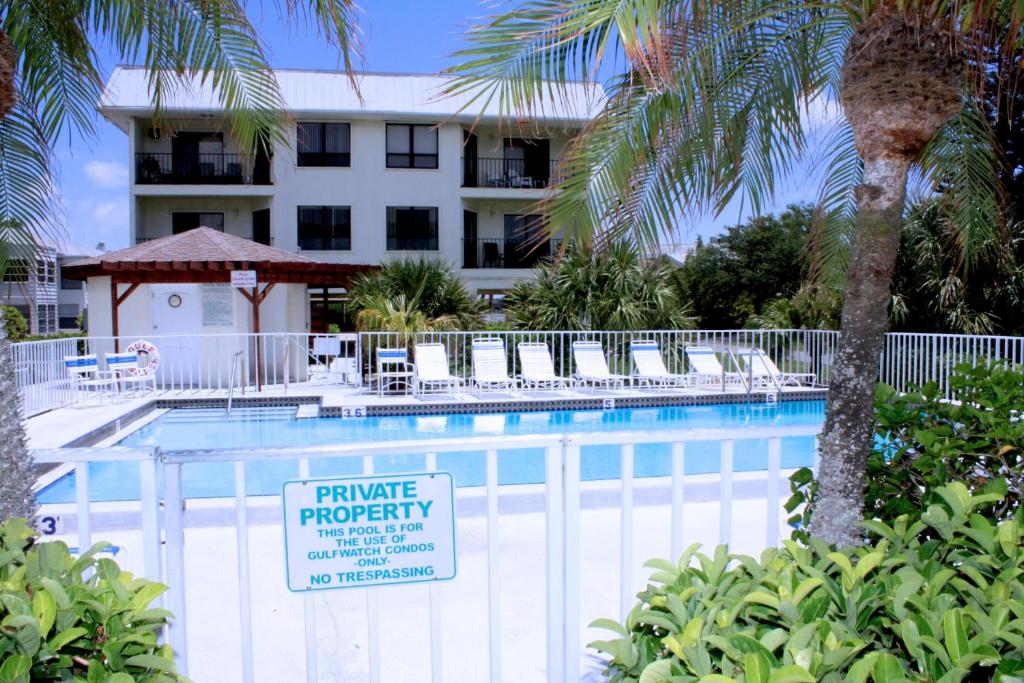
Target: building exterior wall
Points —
{"points": [[367, 186]]}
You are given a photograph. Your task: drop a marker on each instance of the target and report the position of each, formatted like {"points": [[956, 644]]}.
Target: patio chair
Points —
{"points": [[649, 367], [536, 367], [394, 369], [490, 365], [706, 370], [131, 377], [592, 366], [761, 369], [431, 370], [86, 376]]}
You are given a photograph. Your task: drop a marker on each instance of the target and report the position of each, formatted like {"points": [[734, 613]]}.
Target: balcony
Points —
{"points": [[166, 168], [507, 253], [509, 173]]}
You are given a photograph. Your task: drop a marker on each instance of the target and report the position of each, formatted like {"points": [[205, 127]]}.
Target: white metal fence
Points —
{"points": [[203, 363], [165, 517]]}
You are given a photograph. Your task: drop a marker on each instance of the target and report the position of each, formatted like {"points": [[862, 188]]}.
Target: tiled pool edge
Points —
{"points": [[111, 428]]}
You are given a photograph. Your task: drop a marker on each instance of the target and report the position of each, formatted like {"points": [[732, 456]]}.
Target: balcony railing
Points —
{"points": [[165, 168], [510, 173], [507, 253]]}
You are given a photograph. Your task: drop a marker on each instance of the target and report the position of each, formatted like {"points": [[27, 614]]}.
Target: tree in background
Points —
{"points": [[16, 468], [935, 290], [709, 104], [50, 79], [611, 288], [732, 277], [413, 295]]}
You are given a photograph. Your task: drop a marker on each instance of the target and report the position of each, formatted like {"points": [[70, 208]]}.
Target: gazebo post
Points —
{"points": [[256, 298], [115, 304]]}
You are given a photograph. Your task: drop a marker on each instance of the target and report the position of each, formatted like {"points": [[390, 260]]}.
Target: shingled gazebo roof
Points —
{"points": [[208, 255]]}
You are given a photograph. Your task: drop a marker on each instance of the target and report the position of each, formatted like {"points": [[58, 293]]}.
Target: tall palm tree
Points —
{"points": [[50, 79], [712, 103]]}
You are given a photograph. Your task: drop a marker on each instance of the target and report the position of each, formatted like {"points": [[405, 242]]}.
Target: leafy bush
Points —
{"points": [[14, 323], [413, 295], [923, 441], [612, 288], [937, 599], [58, 624]]}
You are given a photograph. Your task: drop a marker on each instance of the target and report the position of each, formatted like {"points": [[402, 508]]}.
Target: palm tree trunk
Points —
{"points": [[900, 85], [16, 467], [846, 441]]}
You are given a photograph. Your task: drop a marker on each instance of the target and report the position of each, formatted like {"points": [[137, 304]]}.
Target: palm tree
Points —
{"points": [[613, 289], [16, 468], [413, 295], [50, 79], [712, 104]]}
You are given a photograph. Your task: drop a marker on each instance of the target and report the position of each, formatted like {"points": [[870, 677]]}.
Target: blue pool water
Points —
{"points": [[188, 429]]}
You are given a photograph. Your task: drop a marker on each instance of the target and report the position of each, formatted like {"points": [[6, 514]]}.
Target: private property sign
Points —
{"points": [[243, 278], [355, 532]]}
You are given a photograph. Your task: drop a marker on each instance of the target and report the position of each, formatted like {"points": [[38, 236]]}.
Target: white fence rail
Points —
{"points": [[203, 363], [165, 518]]}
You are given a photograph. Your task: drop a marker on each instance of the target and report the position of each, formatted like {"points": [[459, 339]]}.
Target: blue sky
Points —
{"points": [[398, 35]]}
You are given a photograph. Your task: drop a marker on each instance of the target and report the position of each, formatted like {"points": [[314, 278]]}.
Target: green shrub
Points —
{"points": [[76, 619], [15, 324], [938, 599], [923, 441]]}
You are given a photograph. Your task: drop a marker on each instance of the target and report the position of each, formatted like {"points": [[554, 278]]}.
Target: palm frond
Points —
{"points": [[960, 162], [28, 204]]}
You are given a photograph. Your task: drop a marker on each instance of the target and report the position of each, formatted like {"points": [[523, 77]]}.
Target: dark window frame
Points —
{"points": [[323, 159], [396, 242], [199, 223], [393, 159], [337, 242]]}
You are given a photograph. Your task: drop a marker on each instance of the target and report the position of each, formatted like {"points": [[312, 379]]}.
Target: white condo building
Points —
{"points": [[394, 170]]}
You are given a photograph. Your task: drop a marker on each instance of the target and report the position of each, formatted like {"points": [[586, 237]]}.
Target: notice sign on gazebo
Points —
{"points": [[356, 532], [243, 278], [217, 306]]}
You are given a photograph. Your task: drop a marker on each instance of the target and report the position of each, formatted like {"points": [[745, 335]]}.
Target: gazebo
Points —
{"points": [[196, 257]]}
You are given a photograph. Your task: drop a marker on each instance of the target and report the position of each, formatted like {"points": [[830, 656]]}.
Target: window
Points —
{"points": [[412, 228], [411, 146], [188, 220], [323, 144], [67, 316], [47, 318], [71, 284], [15, 270], [46, 272], [325, 228], [522, 228]]}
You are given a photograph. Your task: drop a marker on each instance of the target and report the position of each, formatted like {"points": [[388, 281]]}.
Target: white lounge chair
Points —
{"points": [[130, 375], [592, 366], [761, 369], [536, 367], [706, 370], [393, 369], [87, 377], [431, 370], [490, 365], [649, 367]]}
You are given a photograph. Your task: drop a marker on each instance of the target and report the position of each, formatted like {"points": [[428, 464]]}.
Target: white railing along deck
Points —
{"points": [[164, 516], [203, 363]]}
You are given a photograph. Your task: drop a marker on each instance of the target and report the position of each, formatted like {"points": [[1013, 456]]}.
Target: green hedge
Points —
{"points": [[76, 619], [937, 599]]}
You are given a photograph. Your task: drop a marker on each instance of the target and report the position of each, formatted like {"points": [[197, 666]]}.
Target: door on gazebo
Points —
{"points": [[175, 319]]}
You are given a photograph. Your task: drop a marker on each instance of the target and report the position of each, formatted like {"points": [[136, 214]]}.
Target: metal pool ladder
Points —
{"points": [[231, 378]]}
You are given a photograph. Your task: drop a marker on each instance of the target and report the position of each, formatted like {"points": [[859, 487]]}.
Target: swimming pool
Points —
{"points": [[192, 428]]}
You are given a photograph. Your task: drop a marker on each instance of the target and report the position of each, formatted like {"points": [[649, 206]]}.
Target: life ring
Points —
{"points": [[152, 357]]}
